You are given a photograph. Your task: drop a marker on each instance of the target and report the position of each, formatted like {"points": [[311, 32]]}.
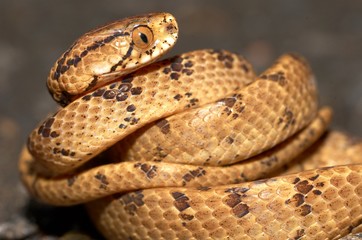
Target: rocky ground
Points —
{"points": [[34, 33]]}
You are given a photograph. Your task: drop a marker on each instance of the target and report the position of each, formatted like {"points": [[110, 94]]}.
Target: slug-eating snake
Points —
{"points": [[190, 147]]}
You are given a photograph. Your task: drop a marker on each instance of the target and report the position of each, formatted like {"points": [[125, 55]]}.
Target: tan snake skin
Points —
{"points": [[176, 149]]}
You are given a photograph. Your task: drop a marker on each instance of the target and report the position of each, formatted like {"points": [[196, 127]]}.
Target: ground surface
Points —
{"points": [[34, 33]]}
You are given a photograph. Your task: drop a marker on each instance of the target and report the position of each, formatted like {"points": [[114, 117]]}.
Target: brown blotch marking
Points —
{"points": [[188, 72], [71, 180], [177, 97], [188, 94], [121, 96], [241, 210], [166, 70], [240, 109], [225, 57], [288, 118], [177, 67], [87, 97], [229, 102], [229, 140], [245, 67], [45, 132], [320, 184], [136, 91], [317, 192], [278, 77], [203, 188], [99, 92], [270, 161], [65, 152], [181, 201], [186, 217], [234, 201], [131, 120], [160, 153], [110, 94], [314, 177], [227, 110], [300, 234], [188, 64], [131, 108], [303, 187], [194, 101], [103, 180], [54, 134], [127, 79], [132, 201], [45, 128], [175, 76], [296, 180], [164, 126], [193, 174], [297, 199], [48, 123], [237, 190], [149, 170], [305, 210], [125, 87]]}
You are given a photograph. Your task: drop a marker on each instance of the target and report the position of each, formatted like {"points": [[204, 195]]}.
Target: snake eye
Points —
{"points": [[142, 36]]}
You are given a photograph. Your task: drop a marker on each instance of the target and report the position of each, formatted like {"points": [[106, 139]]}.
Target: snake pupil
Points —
{"points": [[144, 37]]}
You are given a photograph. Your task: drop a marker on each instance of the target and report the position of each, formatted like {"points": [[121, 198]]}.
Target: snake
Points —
{"points": [[195, 146]]}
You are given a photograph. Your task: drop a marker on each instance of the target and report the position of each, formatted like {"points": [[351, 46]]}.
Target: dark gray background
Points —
{"points": [[34, 33]]}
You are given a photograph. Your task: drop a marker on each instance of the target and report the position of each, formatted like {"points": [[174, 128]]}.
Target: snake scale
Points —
{"points": [[191, 147]]}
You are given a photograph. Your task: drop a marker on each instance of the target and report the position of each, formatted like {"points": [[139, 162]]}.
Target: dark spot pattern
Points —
{"points": [[233, 105], [181, 201], [71, 180], [178, 97], [314, 177], [178, 67], [192, 174], [132, 201], [66, 61], [234, 201], [45, 128], [164, 125], [117, 91], [149, 170], [287, 118], [300, 234], [203, 188], [225, 57], [102, 179], [270, 161], [278, 77], [160, 153], [64, 152], [303, 187], [229, 140], [186, 217], [297, 200], [305, 210]]}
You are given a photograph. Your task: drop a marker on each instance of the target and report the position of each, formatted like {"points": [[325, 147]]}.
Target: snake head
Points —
{"points": [[109, 52]]}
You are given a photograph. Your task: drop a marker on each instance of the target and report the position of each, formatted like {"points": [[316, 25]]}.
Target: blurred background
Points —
{"points": [[33, 34]]}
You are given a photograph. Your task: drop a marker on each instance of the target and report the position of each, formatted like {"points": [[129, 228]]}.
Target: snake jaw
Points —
{"points": [[109, 52]]}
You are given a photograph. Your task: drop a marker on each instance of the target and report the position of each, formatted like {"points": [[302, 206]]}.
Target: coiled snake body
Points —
{"points": [[187, 139]]}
